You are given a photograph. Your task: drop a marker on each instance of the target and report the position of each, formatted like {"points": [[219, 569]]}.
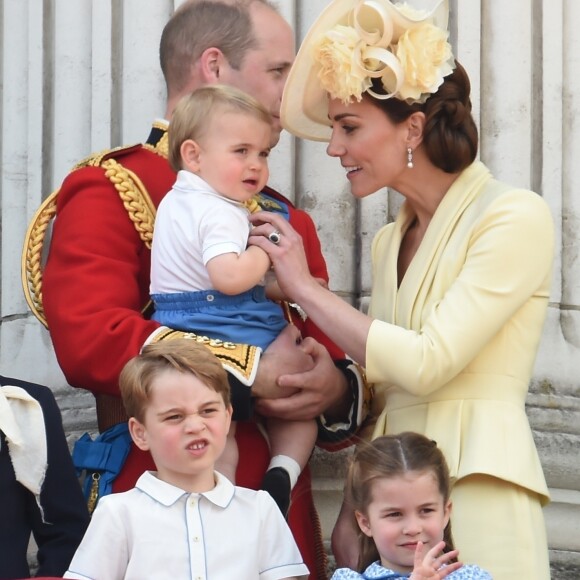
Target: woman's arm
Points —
{"points": [[342, 323], [508, 260], [491, 300]]}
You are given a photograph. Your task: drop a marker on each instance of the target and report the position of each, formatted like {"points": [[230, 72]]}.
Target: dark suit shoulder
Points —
{"points": [[39, 392]]}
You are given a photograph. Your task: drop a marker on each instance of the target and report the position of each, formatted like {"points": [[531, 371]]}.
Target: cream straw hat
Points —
{"points": [[354, 41]]}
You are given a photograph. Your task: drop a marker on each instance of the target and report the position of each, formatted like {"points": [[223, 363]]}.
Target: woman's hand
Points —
{"points": [[433, 565], [287, 255]]}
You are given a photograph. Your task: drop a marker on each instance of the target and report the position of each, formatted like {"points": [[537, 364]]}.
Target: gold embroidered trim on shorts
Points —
{"points": [[239, 359]]}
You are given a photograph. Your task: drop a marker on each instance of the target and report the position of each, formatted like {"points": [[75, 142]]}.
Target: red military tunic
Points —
{"points": [[96, 283]]}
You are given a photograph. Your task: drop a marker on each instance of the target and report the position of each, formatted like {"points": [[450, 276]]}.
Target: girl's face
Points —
{"points": [[371, 148], [404, 510]]}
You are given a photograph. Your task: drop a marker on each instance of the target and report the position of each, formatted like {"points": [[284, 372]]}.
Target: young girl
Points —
{"points": [[399, 488]]}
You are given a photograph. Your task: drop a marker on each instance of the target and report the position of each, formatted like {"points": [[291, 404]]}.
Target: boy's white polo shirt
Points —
{"points": [[159, 531]]}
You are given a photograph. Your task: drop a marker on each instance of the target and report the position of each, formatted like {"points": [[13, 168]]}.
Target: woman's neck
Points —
{"points": [[424, 191]]}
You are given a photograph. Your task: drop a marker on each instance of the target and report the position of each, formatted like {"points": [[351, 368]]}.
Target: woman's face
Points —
{"points": [[371, 148]]}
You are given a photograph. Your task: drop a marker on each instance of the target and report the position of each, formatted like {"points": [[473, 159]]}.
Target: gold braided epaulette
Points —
{"points": [[252, 205], [32, 256], [130, 188], [133, 195]]}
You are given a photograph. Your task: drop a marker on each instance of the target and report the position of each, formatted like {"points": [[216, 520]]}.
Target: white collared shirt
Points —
{"points": [[159, 531], [194, 224]]}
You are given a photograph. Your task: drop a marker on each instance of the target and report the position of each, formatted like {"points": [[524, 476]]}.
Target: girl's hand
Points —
{"points": [[433, 564]]}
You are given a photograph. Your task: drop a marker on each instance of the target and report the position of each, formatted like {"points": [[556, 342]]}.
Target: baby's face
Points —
{"points": [[233, 155]]}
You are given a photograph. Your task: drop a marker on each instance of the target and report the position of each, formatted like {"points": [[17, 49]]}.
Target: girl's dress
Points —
{"points": [[377, 572]]}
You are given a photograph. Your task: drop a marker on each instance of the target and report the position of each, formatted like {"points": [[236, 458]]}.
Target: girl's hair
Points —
{"points": [[386, 457], [182, 355], [194, 112], [450, 135]]}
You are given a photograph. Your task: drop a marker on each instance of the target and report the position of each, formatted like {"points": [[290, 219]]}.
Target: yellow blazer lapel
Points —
{"points": [[385, 293], [415, 287]]}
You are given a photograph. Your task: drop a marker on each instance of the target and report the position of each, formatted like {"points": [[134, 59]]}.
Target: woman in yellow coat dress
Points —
{"points": [[460, 279]]}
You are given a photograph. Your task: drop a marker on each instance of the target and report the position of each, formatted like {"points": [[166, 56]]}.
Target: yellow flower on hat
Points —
{"points": [[426, 59], [339, 74], [411, 56]]}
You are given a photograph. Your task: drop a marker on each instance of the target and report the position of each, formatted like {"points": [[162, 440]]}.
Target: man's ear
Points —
{"points": [[210, 64], [138, 434], [363, 523], [190, 151]]}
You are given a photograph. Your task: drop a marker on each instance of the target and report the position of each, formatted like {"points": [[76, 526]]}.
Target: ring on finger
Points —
{"points": [[275, 237]]}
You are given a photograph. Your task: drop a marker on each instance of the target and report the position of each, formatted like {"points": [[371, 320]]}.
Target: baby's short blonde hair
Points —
{"points": [[194, 111]]}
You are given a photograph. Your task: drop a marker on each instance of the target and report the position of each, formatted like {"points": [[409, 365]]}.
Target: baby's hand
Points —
{"points": [[433, 565]]}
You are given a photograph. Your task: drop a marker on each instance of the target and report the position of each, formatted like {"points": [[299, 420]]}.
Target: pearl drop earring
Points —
{"points": [[410, 158]]}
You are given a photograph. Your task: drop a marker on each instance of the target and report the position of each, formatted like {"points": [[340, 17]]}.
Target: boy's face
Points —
{"points": [[185, 429], [232, 155]]}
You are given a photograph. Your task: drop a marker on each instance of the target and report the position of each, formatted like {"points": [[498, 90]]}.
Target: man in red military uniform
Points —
{"points": [[96, 280]]}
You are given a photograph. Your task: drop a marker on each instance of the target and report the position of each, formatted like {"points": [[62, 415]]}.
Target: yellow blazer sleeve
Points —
{"points": [[491, 285]]}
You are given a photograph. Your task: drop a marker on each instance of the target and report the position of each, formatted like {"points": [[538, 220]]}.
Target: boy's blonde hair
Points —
{"points": [[183, 355], [194, 111]]}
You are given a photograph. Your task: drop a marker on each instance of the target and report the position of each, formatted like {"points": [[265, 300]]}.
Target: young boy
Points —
{"points": [[203, 277], [185, 520]]}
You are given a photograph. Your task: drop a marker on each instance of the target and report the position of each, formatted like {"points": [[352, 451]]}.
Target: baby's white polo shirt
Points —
{"points": [[161, 532]]}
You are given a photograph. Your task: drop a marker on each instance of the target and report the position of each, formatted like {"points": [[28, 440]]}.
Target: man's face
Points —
{"points": [[265, 69]]}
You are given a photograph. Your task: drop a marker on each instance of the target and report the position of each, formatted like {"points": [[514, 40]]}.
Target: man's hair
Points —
{"points": [[182, 355], [195, 111], [201, 24]]}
